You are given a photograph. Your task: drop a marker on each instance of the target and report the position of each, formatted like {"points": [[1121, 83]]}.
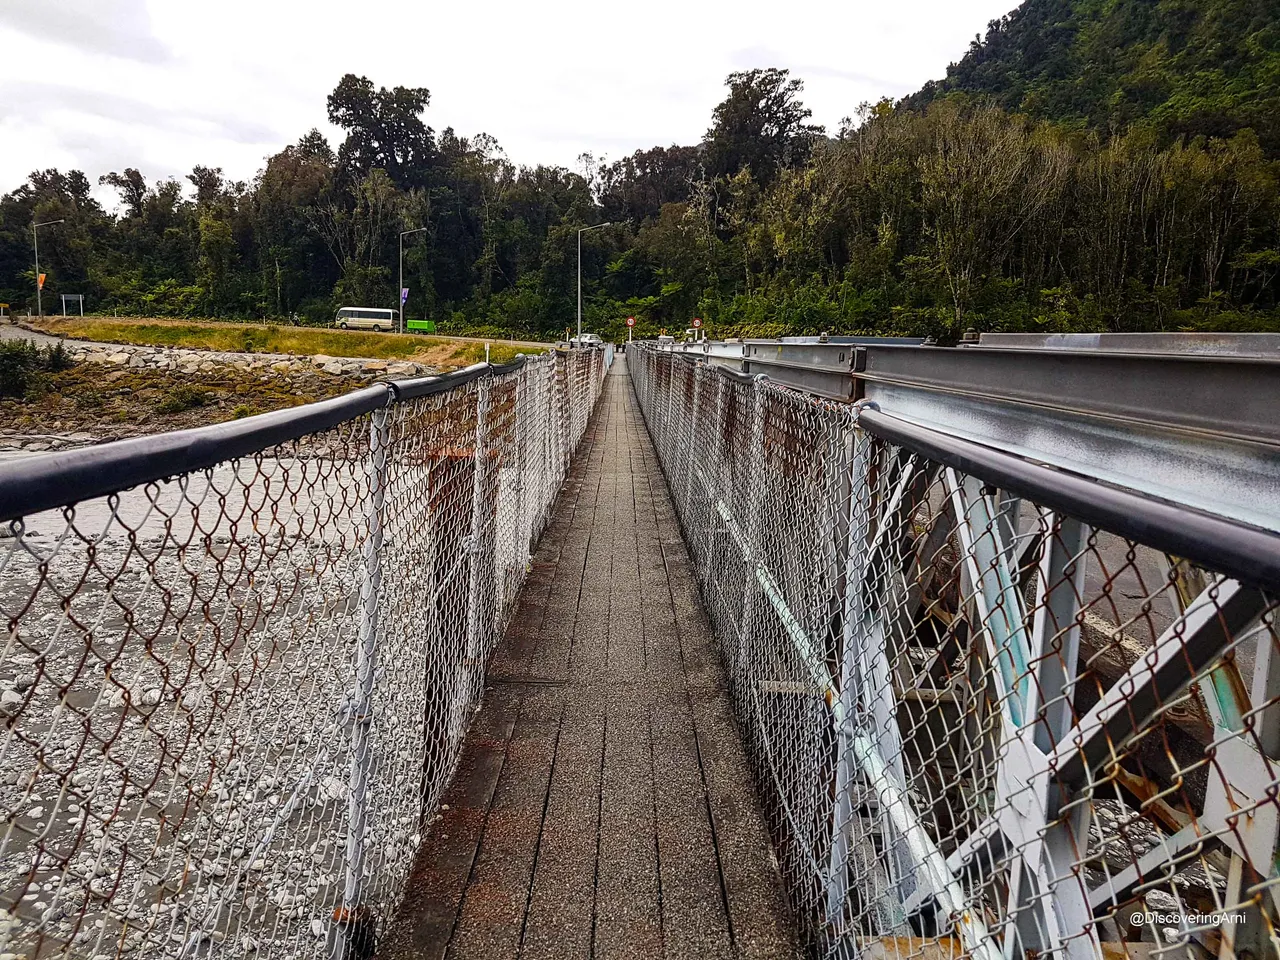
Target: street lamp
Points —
{"points": [[580, 233], [35, 244], [403, 298]]}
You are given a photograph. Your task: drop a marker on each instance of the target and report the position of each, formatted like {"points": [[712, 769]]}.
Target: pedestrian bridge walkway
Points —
{"points": [[844, 648], [603, 806]]}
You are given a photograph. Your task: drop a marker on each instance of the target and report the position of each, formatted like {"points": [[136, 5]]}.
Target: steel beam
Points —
{"points": [[1174, 391], [822, 367], [1264, 346], [1185, 649]]}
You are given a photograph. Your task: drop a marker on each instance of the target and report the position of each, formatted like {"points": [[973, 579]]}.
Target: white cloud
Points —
{"points": [[163, 85], [120, 28]]}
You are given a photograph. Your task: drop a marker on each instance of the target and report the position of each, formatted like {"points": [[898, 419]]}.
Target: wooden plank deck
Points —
{"points": [[603, 807]]}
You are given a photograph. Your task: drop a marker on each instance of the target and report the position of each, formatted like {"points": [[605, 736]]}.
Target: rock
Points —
{"points": [[35, 813], [118, 358], [333, 367], [373, 366]]}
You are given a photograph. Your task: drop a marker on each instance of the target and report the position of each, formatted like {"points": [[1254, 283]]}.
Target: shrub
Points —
{"points": [[182, 398], [24, 366], [56, 359]]}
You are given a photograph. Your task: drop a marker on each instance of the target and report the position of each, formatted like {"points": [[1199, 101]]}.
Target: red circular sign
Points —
{"points": [[697, 322], [631, 321]]}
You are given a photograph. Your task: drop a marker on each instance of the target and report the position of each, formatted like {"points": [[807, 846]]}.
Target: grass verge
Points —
{"points": [[440, 353]]}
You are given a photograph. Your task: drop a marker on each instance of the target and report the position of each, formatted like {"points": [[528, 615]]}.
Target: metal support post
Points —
{"points": [[721, 442], [1055, 631], [846, 763], [1047, 895], [1000, 606], [353, 929], [752, 528], [35, 245], [524, 523], [692, 449], [664, 432], [474, 655]]}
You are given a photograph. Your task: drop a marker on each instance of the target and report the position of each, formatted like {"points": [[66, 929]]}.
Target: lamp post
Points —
{"points": [[35, 244], [400, 292], [580, 233]]}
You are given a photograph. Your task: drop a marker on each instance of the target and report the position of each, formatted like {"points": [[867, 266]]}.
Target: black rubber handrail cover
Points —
{"points": [[46, 481]]}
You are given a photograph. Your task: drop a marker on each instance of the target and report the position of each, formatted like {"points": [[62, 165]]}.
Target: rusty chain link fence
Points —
{"points": [[995, 710], [239, 661]]}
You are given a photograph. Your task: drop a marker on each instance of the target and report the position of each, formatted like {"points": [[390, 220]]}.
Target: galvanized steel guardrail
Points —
{"points": [[240, 660], [996, 708]]}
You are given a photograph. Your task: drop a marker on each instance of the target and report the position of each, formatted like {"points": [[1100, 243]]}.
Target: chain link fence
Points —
{"points": [[240, 661], [995, 710]]}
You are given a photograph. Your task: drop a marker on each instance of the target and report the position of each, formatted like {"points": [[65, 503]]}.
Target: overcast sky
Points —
{"points": [[163, 85]]}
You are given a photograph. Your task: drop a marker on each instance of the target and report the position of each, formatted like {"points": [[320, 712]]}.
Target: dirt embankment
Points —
{"points": [[92, 402], [170, 376]]}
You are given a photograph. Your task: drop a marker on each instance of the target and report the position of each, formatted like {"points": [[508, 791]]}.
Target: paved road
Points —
{"points": [[603, 806], [9, 331]]}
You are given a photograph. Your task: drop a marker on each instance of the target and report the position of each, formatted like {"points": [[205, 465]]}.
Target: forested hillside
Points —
{"points": [[946, 212], [1183, 67]]}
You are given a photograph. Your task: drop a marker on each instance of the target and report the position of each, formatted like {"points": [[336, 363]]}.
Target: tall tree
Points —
{"points": [[384, 129], [761, 126]]}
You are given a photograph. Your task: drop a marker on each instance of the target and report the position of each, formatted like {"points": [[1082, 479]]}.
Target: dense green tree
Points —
{"points": [[1209, 67], [760, 126], [384, 130], [636, 187]]}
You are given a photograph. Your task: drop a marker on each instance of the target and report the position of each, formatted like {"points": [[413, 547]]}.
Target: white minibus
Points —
{"points": [[365, 318]]}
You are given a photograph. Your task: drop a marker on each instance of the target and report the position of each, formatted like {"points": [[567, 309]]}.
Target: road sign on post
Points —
{"points": [[697, 323], [73, 298], [631, 321]]}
